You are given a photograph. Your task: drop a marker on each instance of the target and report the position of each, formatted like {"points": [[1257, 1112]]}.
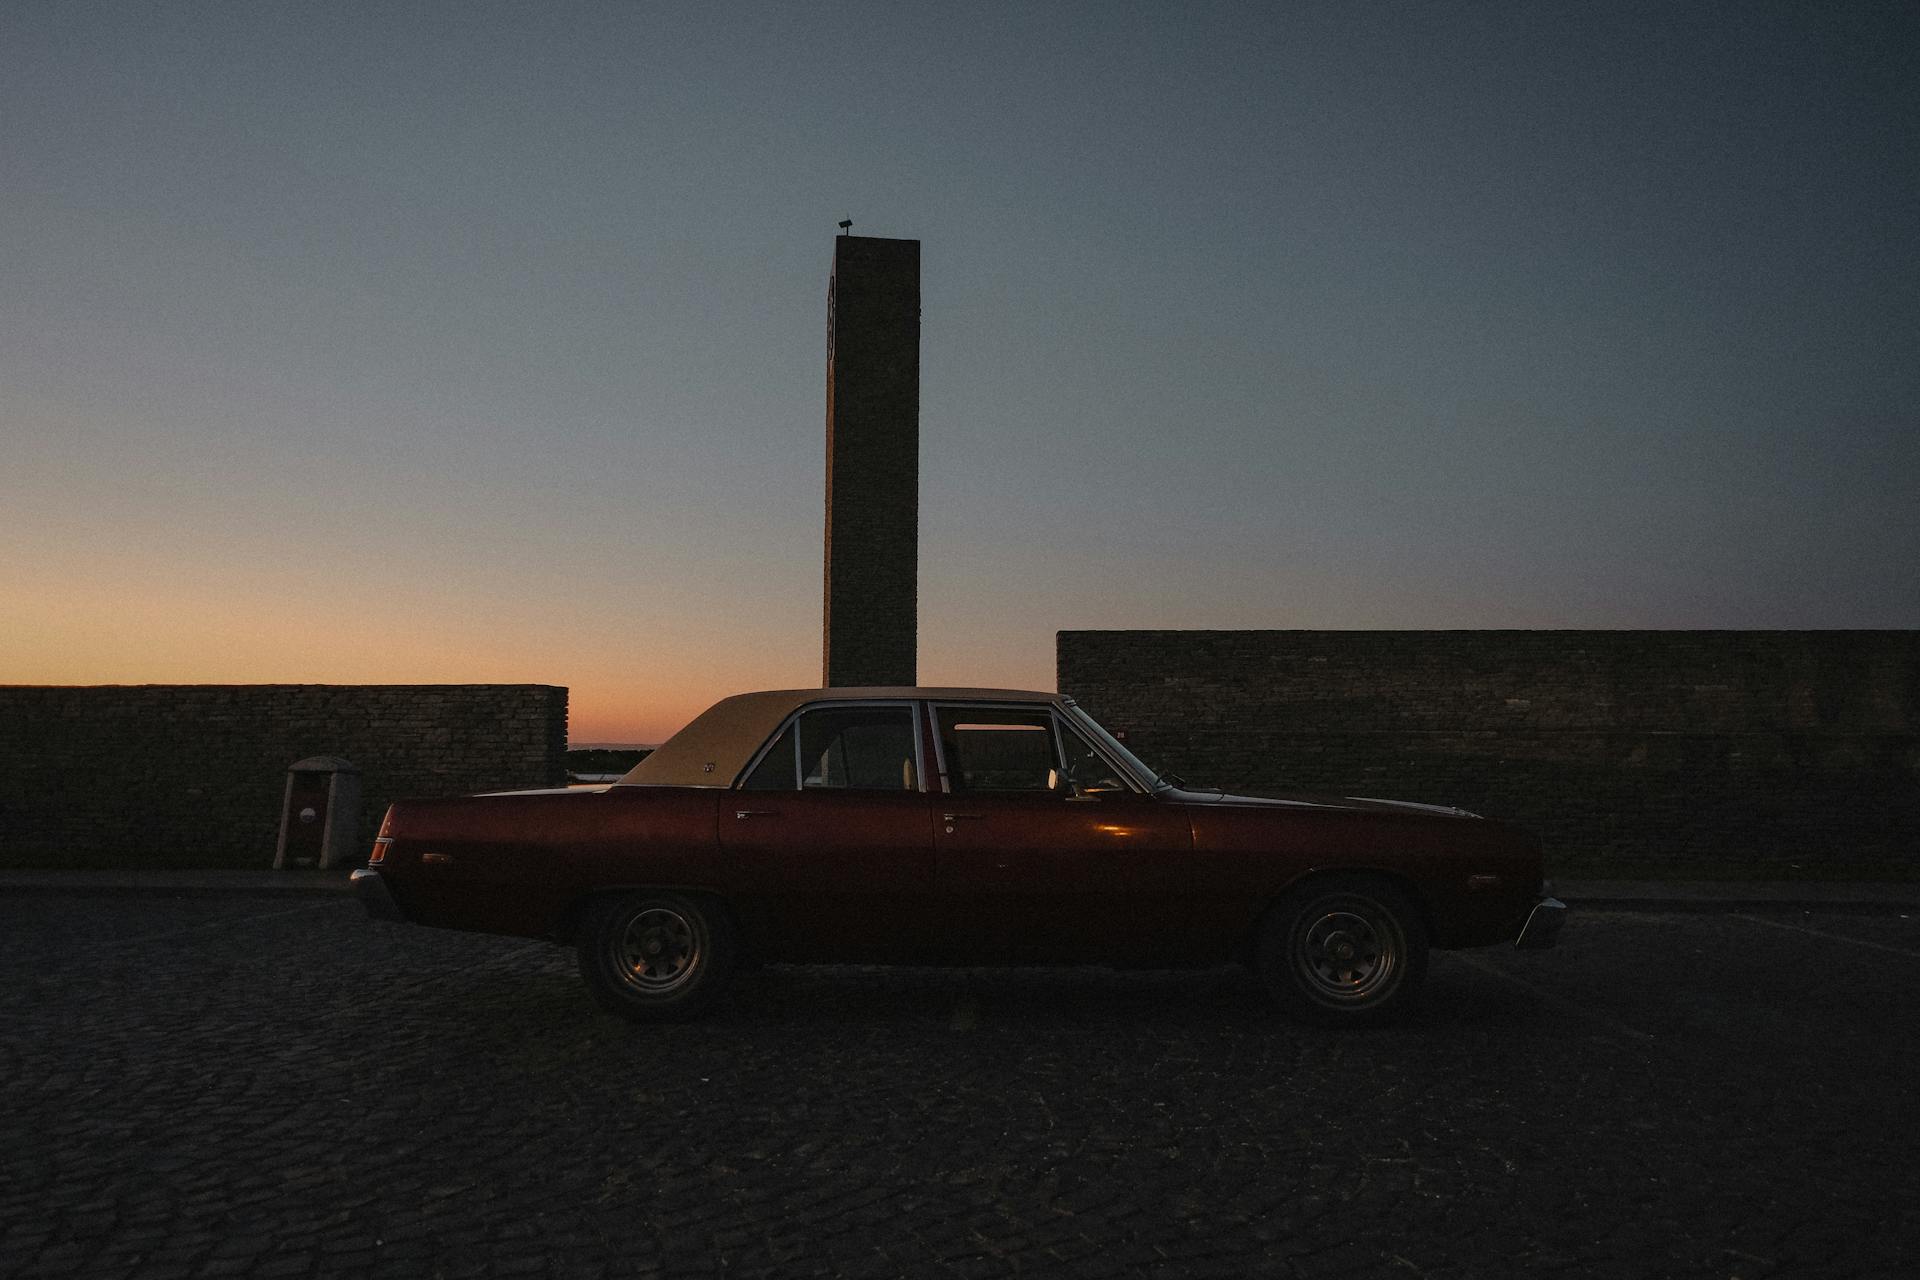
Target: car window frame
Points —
{"points": [[1065, 724], [1107, 745], [1059, 724], [792, 720]]}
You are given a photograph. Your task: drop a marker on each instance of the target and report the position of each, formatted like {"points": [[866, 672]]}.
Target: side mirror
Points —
{"points": [[1061, 784]]}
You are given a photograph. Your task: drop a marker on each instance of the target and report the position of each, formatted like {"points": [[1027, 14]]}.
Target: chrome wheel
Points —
{"points": [[657, 951], [1346, 950], [656, 956]]}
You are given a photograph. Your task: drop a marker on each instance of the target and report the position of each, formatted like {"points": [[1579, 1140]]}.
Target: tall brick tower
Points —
{"points": [[873, 463]]}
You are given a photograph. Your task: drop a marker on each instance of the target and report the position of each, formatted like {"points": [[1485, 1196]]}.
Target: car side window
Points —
{"points": [[777, 770], [990, 749], [858, 748], [1087, 769]]}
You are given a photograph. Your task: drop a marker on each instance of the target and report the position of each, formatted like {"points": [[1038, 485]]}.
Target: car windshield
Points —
{"points": [[1140, 767]]}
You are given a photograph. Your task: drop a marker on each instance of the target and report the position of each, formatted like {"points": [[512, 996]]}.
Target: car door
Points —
{"points": [[835, 816], [1048, 851]]}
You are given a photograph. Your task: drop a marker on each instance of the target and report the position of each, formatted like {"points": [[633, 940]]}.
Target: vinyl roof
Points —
{"points": [[713, 749]]}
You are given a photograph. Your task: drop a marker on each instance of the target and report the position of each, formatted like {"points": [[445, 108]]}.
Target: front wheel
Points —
{"points": [[656, 957], [1344, 951]]}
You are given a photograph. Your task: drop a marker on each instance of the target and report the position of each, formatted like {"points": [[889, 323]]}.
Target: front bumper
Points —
{"points": [[1543, 925], [374, 895]]}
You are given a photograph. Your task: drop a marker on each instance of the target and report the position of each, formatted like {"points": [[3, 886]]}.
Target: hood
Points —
{"points": [[1295, 800]]}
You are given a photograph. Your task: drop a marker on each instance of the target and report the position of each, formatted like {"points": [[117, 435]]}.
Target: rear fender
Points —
{"points": [[566, 929]]}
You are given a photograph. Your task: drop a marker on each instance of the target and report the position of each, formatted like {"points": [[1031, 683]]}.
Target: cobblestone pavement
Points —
{"points": [[242, 1086]]}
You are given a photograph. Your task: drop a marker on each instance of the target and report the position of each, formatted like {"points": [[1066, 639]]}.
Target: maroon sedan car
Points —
{"points": [[954, 826]]}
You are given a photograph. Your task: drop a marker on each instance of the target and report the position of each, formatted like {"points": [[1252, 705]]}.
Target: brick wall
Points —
{"points": [[1770, 752], [871, 580], [193, 775]]}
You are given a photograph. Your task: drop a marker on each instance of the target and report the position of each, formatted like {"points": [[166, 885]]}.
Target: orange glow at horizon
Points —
{"points": [[126, 632], [631, 676]]}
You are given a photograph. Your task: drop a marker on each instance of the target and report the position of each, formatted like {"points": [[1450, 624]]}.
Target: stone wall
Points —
{"points": [[193, 775], [1713, 752]]}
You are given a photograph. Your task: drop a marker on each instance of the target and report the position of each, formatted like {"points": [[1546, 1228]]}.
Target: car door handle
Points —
{"points": [[956, 817], [756, 813]]}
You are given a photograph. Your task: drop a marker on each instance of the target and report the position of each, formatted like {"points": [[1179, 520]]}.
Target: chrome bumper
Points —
{"points": [[374, 895], [1542, 928]]}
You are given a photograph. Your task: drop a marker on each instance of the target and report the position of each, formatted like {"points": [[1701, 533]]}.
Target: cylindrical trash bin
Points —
{"points": [[320, 816]]}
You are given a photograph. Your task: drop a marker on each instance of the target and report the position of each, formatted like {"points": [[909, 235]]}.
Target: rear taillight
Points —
{"points": [[381, 839]]}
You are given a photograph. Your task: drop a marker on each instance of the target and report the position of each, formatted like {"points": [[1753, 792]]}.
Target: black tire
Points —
{"points": [[656, 957], [1344, 951]]}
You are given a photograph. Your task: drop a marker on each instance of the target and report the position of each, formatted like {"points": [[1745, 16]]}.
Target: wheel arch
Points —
{"points": [[1407, 886], [566, 928]]}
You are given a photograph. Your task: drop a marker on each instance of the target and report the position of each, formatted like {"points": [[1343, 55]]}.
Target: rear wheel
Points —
{"points": [[656, 957], [1344, 951]]}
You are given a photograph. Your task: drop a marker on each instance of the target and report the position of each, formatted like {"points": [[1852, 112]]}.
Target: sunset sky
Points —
{"points": [[450, 343]]}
